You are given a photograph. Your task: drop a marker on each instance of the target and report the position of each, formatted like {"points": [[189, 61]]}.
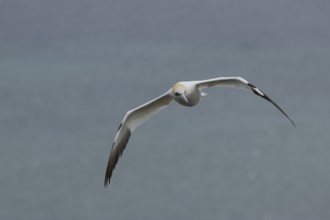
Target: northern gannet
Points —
{"points": [[187, 93]]}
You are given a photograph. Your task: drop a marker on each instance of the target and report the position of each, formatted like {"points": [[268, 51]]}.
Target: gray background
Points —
{"points": [[69, 71]]}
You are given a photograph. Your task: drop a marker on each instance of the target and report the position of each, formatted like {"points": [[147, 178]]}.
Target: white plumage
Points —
{"points": [[187, 93]]}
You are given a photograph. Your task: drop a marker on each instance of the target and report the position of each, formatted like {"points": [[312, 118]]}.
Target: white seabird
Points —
{"points": [[187, 93]]}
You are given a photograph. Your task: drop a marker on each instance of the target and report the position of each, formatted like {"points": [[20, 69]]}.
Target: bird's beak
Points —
{"points": [[184, 97]]}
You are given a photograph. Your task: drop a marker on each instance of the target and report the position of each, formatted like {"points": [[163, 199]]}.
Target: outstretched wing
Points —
{"points": [[238, 82], [131, 121]]}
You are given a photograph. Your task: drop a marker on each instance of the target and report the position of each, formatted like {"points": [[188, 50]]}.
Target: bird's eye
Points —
{"points": [[177, 94]]}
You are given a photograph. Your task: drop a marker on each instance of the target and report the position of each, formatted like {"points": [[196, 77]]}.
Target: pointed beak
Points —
{"points": [[184, 97]]}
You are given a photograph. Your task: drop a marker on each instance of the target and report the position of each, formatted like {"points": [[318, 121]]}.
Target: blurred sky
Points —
{"points": [[69, 71]]}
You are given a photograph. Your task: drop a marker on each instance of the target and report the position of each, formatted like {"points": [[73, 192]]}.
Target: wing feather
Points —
{"points": [[239, 82], [131, 121]]}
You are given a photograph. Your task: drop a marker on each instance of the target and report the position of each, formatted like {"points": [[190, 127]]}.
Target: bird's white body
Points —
{"points": [[187, 93]]}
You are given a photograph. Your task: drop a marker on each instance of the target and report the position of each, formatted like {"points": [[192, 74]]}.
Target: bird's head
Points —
{"points": [[178, 91]]}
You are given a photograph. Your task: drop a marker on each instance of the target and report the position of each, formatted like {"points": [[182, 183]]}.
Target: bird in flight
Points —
{"points": [[187, 93]]}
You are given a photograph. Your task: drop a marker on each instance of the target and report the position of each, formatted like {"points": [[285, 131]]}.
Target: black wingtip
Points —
{"points": [[110, 167], [107, 179], [279, 108], [106, 183], [258, 92], [294, 125], [116, 151]]}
